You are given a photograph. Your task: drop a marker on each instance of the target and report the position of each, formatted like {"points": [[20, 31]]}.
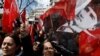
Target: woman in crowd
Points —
{"points": [[10, 45]]}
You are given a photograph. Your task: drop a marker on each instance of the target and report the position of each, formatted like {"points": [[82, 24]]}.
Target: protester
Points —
{"points": [[10, 45], [13, 43], [48, 49]]}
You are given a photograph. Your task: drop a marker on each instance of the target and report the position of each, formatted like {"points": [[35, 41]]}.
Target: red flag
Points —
{"points": [[31, 32], [88, 45], [66, 8], [23, 16], [9, 15]]}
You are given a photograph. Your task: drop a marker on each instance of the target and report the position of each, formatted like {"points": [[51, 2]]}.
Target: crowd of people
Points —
{"points": [[19, 43], [60, 37]]}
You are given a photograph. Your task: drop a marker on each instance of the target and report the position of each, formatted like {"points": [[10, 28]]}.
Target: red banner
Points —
{"points": [[66, 8], [9, 15], [88, 45]]}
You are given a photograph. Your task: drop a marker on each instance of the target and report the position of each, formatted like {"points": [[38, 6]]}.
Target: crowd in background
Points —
{"points": [[58, 36], [19, 43]]}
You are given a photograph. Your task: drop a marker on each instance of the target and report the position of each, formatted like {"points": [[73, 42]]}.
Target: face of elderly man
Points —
{"points": [[48, 49]]}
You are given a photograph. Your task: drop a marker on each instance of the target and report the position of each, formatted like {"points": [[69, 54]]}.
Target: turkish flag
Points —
{"points": [[9, 15]]}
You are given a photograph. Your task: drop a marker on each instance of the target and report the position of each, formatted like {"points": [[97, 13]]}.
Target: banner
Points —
{"points": [[9, 15]]}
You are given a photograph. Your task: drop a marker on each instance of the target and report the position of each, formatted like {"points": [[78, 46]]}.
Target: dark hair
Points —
{"points": [[15, 36]]}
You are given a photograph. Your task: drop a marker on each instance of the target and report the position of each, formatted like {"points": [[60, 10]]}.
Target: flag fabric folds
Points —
{"points": [[65, 8], [9, 15], [89, 45]]}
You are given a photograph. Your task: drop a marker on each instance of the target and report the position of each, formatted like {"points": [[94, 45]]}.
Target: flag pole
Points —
{"points": [[26, 6]]}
